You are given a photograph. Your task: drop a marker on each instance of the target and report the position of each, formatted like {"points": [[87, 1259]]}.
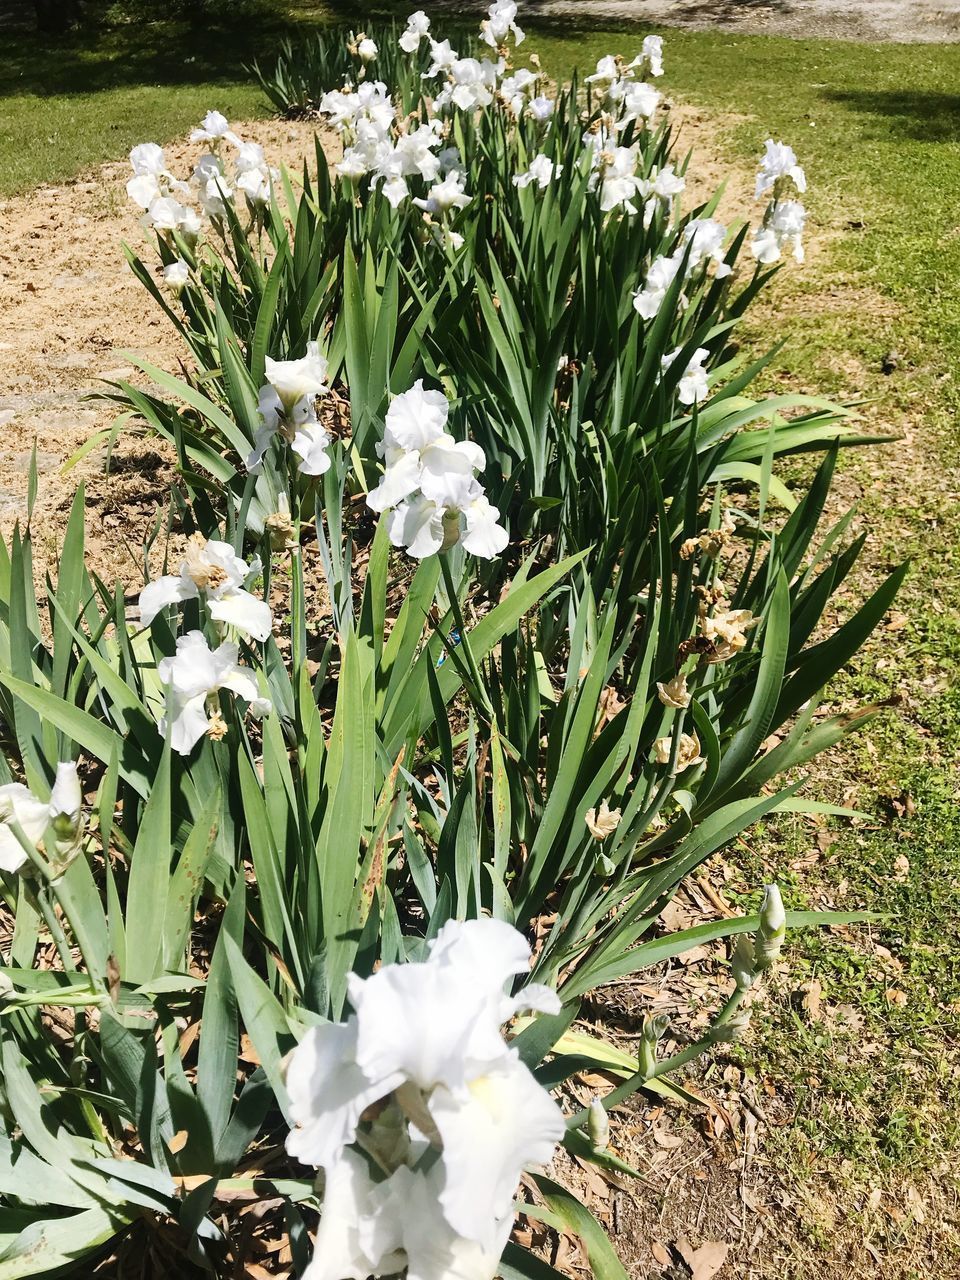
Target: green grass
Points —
{"points": [[878, 130], [876, 1096], [874, 1090]]}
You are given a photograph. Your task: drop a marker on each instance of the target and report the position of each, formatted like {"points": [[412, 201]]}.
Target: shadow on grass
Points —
{"points": [[98, 57], [920, 114]]}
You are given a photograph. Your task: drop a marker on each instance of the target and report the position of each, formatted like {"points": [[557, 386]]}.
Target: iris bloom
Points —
{"points": [[660, 277], [779, 161], [542, 171], [176, 275], [651, 53], [418, 26], [213, 127], [429, 484], [446, 195], [420, 1075], [619, 183], [211, 569], [541, 108], [499, 23], [782, 229], [34, 817], [693, 385], [287, 408], [471, 84], [194, 677]]}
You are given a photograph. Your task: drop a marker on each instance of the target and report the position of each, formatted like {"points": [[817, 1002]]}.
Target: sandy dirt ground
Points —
{"points": [[928, 21]]}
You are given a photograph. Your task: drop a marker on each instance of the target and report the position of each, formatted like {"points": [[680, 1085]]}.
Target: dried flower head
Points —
{"points": [[602, 822], [674, 693], [688, 752], [727, 632]]}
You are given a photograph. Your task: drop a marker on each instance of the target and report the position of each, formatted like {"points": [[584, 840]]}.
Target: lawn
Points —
{"points": [[868, 1064]]}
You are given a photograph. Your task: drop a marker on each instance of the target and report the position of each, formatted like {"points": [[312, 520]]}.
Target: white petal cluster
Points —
{"points": [[516, 90], [660, 190], [429, 485], [625, 95], [702, 240], [194, 677], [418, 26], [541, 108], [288, 409], [444, 196], [155, 190], [215, 127], [542, 171], [778, 161], [390, 152], [212, 571], [34, 817], [177, 275], [661, 275], [161, 195], [421, 1079], [783, 230], [619, 183], [783, 221], [471, 84], [500, 23], [693, 385]]}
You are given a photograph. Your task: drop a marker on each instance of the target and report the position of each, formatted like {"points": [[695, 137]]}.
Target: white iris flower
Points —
{"points": [[194, 676], [418, 26], [429, 485], [458, 1116], [211, 569]]}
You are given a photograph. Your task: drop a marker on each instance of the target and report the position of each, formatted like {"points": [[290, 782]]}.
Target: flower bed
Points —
{"points": [[484, 371]]}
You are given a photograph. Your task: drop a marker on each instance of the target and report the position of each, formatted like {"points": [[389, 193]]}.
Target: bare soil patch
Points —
{"points": [[907, 21], [69, 306]]}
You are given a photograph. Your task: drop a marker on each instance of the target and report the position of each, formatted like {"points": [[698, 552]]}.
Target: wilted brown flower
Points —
{"points": [[688, 751], [602, 822], [727, 632], [674, 693]]}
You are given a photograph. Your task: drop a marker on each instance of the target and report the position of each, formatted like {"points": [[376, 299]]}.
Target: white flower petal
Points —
{"points": [[400, 480], [417, 525], [329, 1092], [160, 593], [245, 611], [506, 1122]]}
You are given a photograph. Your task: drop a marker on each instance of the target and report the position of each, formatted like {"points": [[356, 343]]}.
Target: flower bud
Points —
{"points": [[598, 1125], [66, 803], [773, 928], [652, 1032]]}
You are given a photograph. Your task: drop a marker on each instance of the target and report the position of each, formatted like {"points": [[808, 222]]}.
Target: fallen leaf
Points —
{"points": [[812, 998], [660, 1254], [704, 1262], [669, 1141]]}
